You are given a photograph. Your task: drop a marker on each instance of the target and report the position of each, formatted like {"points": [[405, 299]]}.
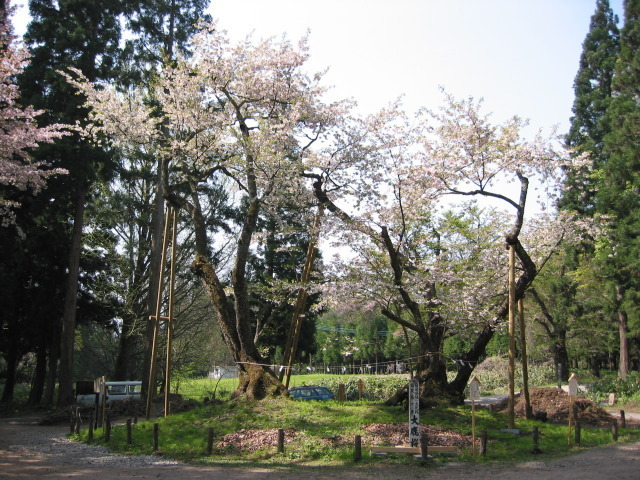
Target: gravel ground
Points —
{"points": [[28, 451]]}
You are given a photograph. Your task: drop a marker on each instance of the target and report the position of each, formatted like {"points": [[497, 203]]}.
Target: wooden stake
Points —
{"points": [[281, 440], [129, 440], [210, 441], [357, 448], [156, 435]]}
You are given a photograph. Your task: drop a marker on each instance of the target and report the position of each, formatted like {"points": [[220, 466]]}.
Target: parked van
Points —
{"points": [[116, 391]]}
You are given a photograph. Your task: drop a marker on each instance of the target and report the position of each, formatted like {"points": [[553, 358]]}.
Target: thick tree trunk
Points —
{"points": [[65, 385], [39, 377], [623, 365], [11, 357]]}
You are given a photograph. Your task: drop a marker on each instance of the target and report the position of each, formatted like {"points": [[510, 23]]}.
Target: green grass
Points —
{"points": [[325, 433]]}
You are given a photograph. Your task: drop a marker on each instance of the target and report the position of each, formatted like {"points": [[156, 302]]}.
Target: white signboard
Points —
{"points": [[414, 413], [573, 385], [474, 389]]}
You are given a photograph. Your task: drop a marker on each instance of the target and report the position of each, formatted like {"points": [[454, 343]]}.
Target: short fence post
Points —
{"points": [[210, 441], [156, 428], [536, 440], [357, 448], [91, 425], [483, 443], [128, 431], [341, 393], [78, 420], [578, 434], [107, 429], [72, 423], [424, 446], [281, 440], [623, 419], [614, 430]]}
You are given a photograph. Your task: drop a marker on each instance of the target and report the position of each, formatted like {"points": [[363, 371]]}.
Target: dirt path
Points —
{"points": [[28, 451]]}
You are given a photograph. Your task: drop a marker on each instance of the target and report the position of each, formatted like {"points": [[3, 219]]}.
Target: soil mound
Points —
{"points": [[552, 405]]}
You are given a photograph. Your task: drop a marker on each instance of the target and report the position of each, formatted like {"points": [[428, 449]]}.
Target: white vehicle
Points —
{"points": [[116, 391]]}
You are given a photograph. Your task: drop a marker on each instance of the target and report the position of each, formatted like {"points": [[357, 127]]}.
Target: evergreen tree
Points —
{"points": [[618, 197], [592, 87], [69, 33]]}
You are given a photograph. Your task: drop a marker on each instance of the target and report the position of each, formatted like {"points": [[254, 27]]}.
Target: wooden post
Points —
{"points": [[78, 420], [623, 419], [424, 446], [341, 393], [129, 431], [104, 401], [156, 434], [536, 440], [483, 443], [210, 441], [72, 420], [578, 434], [360, 389], [614, 430], [512, 338], [357, 448], [107, 429], [91, 425], [281, 440], [525, 366]]}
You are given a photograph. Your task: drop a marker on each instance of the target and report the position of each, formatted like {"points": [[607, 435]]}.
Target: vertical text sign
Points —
{"points": [[573, 385], [414, 413]]}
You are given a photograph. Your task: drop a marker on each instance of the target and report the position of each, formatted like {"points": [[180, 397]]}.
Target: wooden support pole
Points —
{"points": [[357, 448], [623, 419], [298, 312], [578, 434], [154, 345], [614, 430], [210, 441], [281, 440], [512, 338]]}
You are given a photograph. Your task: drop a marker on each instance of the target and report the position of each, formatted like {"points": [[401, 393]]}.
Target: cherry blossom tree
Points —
{"points": [[238, 119], [19, 130], [434, 267]]}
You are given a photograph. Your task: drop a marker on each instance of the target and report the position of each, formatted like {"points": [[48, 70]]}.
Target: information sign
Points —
{"points": [[414, 413]]}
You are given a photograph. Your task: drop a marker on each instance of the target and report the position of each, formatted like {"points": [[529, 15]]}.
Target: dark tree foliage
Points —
{"points": [[619, 194], [279, 259], [54, 265], [592, 87]]}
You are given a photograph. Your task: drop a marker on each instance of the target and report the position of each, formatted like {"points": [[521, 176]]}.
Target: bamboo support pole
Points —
{"points": [[512, 343], [172, 278]]}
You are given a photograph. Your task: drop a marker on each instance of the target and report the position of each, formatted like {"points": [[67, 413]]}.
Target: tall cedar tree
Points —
{"points": [[619, 195], [592, 87], [84, 34]]}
